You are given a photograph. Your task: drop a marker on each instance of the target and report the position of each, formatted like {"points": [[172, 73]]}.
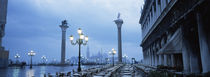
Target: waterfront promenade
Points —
{"points": [[119, 70]]}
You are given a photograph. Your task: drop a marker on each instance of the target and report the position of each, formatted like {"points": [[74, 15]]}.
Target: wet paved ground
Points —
{"points": [[37, 71], [129, 71]]}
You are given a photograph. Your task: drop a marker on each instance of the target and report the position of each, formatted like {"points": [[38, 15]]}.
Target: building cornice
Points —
{"points": [[146, 8]]}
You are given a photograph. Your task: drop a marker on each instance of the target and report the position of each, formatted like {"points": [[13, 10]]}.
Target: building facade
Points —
{"points": [[176, 34], [4, 55]]}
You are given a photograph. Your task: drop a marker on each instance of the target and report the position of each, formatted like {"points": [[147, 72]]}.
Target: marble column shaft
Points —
{"points": [[160, 59], [63, 47], [119, 45], [152, 58], [204, 46], [172, 60], [186, 59], [63, 42], [119, 23], [165, 60]]}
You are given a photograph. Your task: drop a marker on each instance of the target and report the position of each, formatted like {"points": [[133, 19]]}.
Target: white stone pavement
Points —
{"points": [[118, 70]]}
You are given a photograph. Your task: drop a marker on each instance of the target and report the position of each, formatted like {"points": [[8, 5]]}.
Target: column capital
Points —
{"points": [[64, 25], [119, 23]]}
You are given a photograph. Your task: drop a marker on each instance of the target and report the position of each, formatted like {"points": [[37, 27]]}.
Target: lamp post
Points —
{"points": [[133, 60], [113, 52], [106, 60], [17, 56], [125, 57], [31, 53], [81, 41]]}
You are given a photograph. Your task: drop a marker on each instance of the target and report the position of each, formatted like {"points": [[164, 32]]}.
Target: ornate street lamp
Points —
{"points": [[81, 41], [113, 52], [31, 53], [17, 56]]}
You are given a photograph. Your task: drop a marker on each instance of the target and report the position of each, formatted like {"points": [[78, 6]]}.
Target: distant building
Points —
{"points": [[176, 33], [88, 52], [98, 57], [4, 55]]}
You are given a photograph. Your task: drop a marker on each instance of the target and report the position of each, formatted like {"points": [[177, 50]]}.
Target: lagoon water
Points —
{"points": [[36, 71]]}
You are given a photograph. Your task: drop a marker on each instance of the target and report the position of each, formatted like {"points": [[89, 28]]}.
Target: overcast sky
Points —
{"points": [[34, 25]]}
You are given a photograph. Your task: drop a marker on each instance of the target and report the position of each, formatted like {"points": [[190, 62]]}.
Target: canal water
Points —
{"points": [[36, 71]]}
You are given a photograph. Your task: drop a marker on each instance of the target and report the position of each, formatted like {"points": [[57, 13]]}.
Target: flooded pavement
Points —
{"points": [[37, 71]]}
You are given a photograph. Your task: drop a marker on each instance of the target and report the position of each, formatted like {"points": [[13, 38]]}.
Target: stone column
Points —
{"points": [[160, 60], [190, 58], [204, 46], [169, 60], [119, 23], [165, 60], [152, 63], [148, 57], [194, 62], [172, 60], [63, 43], [186, 60], [156, 59], [143, 55], [145, 58]]}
